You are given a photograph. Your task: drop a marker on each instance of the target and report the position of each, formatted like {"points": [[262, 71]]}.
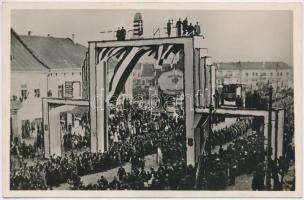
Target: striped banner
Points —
{"points": [[128, 57]]}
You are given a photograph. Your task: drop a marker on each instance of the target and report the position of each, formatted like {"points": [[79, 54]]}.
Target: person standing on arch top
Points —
{"points": [[118, 34], [169, 28], [197, 28], [123, 33], [185, 26], [179, 27], [190, 30]]}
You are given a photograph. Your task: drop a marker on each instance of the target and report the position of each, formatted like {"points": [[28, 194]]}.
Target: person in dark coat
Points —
{"points": [[118, 34], [169, 28], [179, 27], [190, 30], [121, 173], [123, 33], [185, 26], [258, 179]]}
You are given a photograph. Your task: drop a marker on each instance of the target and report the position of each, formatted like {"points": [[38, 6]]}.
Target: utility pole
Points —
{"points": [[268, 170]]}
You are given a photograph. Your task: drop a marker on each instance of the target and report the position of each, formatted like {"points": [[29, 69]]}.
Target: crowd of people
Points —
{"points": [[219, 169], [73, 141], [134, 133], [128, 145], [183, 28], [137, 127], [75, 135], [176, 176], [23, 150], [228, 134]]}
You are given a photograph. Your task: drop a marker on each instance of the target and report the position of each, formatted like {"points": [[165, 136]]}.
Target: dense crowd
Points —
{"points": [[23, 150], [176, 176], [135, 133], [73, 141], [219, 169], [228, 134], [126, 146]]}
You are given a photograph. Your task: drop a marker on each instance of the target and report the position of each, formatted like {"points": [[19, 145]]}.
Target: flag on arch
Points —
{"points": [[127, 57]]}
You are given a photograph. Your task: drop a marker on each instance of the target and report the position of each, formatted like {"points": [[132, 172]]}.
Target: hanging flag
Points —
{"points": [[128, 57]]}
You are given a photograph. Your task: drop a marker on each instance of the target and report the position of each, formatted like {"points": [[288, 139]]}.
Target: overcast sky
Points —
{"points": [[229, 35]]}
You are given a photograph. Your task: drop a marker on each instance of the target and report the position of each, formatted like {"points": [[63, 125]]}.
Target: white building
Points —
{"points": [[41, 67], [255, 74]]}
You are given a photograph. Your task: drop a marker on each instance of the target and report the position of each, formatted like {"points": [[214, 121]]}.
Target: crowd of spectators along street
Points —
{"points": [[134, 133], [183, 28], [129, 147], [73, 141], [23, 150], [219, 169], [176, 176], [227, 134]]}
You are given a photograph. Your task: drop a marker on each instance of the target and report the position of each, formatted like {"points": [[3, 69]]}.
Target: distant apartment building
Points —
{"points": [[41, 67], [255, 75]]}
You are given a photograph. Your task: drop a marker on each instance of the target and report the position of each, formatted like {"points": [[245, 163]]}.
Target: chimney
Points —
{"points": [[48, 35], [29, 33]]}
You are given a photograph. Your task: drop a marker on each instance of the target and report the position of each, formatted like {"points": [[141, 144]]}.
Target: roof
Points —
{"points": [[148, 70], [253, 65], [56, 53], [22, 59]]}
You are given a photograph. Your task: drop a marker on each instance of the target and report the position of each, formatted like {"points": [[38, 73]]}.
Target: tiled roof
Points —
{"points": [[56, 53], [253, 65], [22, 59]]}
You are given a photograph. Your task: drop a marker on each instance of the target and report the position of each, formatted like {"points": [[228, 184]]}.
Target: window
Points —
{"points": [[37, 93], [60, 91], [246, 74], [287, 73], [281, 74], [68, 89], [49, 93], [256, 74], [270, 73], [24, 93], [252, 73]]}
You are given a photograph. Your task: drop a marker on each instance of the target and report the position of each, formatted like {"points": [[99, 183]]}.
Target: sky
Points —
{"points": [[230, 36]]}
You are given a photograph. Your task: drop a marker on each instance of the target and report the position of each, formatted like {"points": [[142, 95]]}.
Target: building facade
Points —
{"points": [[41, 67], [255, 75]]}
